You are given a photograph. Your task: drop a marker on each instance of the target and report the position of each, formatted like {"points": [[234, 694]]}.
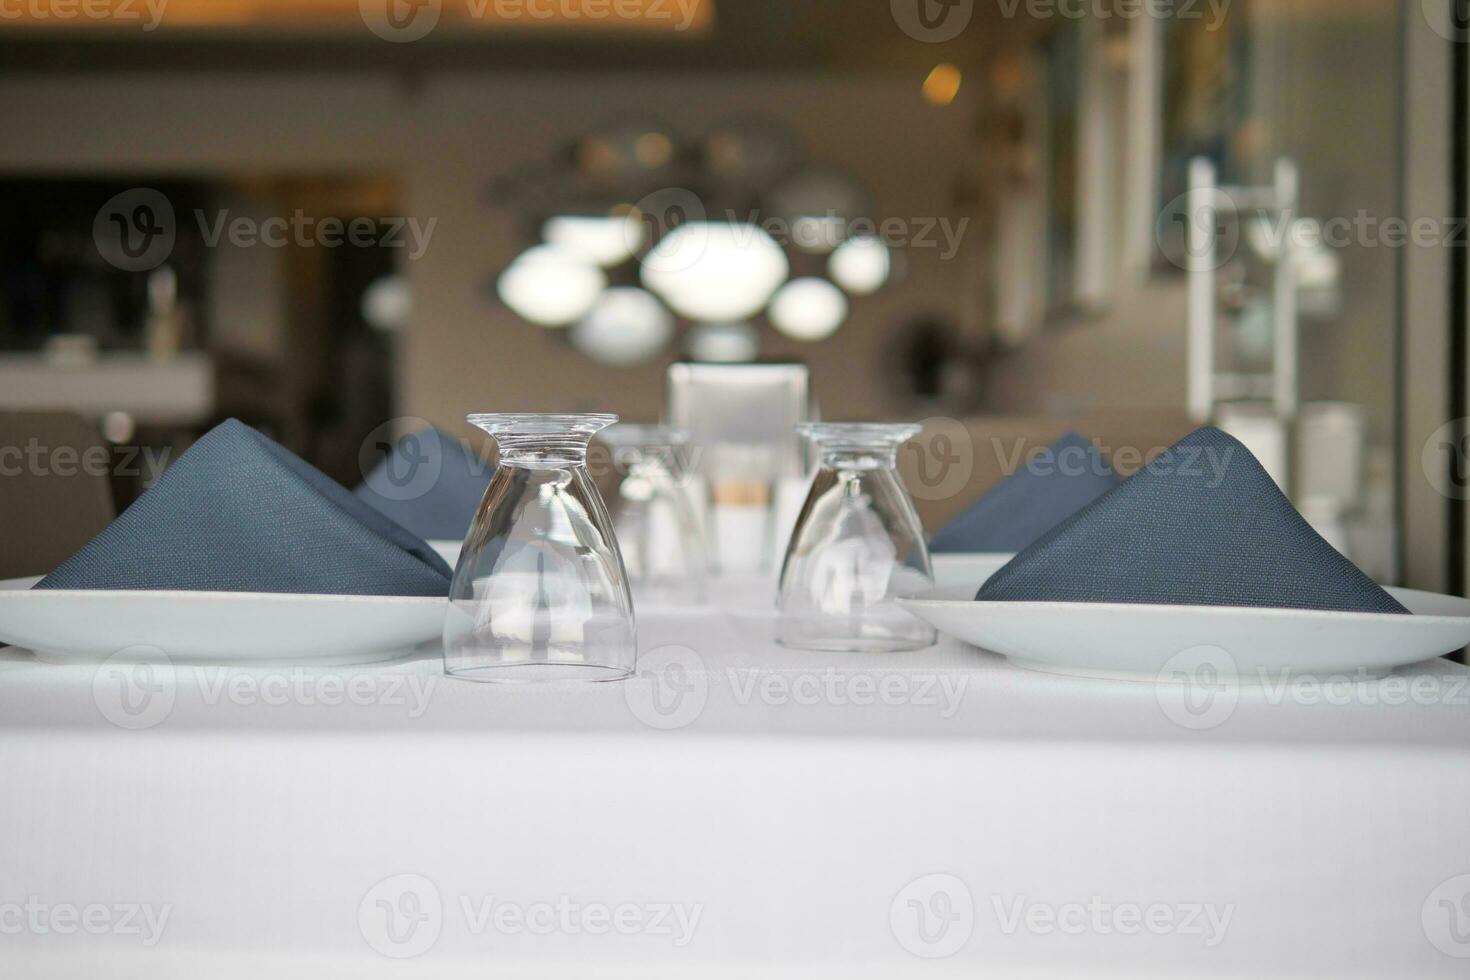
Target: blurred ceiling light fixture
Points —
{"points": [[550, 285], [687, 19], [750, 152], [387, 303], [118, 427], [860, 265], [595, 155], [726, 343], [819, 235], [943, 84], [626, 326], [809, 308], [625, 152], [714, 270], [653, 150], [606, 240], [820, 203], [729, 277]]}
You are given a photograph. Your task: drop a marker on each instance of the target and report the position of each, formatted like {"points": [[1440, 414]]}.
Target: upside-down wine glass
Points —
{"points": [[540, 592], [857, 546]]}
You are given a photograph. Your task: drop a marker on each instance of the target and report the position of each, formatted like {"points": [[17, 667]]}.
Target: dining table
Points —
{"points": [[735, 809]]}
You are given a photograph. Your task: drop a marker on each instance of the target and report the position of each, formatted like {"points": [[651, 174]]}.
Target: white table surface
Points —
{"points": [[790, 806]]}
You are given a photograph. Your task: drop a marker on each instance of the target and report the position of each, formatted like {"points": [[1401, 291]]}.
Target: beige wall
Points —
{"points": [[1132, 358], [448, 137]]}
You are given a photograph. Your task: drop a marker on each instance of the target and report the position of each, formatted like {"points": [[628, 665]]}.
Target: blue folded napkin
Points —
{"points": [[1052, 486], [428, 483], [1203, 524], [240, 513]]}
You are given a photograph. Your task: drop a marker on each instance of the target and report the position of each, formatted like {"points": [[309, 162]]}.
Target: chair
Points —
{"points": [[55, 489]]}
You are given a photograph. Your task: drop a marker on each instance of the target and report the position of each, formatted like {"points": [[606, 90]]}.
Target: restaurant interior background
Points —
{"points": [[982, 208]]}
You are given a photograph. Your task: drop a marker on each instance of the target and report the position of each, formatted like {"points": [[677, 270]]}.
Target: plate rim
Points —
{"points": [[928, 599], [11, 590]]}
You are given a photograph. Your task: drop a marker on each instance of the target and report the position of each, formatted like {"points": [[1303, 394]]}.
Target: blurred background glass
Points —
{"points": [[656, 515]]}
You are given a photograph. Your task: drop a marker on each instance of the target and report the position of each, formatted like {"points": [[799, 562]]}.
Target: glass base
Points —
{"points": [[856, 645], [545, 672]]}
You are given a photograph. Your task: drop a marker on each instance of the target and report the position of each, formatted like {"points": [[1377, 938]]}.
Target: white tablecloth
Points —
{"points": [[739, 810]]}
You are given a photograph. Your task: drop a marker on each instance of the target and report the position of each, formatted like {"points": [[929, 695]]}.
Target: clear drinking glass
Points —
{"points": [[654, 514], [540, 592], [857, 546]]}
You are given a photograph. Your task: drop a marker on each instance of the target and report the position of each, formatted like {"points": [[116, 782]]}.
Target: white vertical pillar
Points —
{"points": [[1284, 334], [1143, 150], [1097, 144], [1201, 220]]}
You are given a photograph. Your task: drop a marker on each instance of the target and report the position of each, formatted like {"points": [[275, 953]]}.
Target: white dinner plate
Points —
{"points": [[1145, 642], [448, 550], [967, 568], [89, 626]]}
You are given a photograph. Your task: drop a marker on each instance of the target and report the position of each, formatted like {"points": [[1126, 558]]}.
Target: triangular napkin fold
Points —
{"points": [[1203, 524], [239, 513], [429, 483], [1050, 486]]}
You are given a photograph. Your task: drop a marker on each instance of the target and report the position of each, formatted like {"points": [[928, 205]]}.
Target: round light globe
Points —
{"points": [[626, 326], [809, 308], [727, 343], [550, 285], [715, 271], [860, 265]]}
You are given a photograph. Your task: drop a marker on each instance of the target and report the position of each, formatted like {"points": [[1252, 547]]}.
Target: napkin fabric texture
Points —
{"points": [[1203, 524], [1050, 487], [428, 483], [238, 512]]}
